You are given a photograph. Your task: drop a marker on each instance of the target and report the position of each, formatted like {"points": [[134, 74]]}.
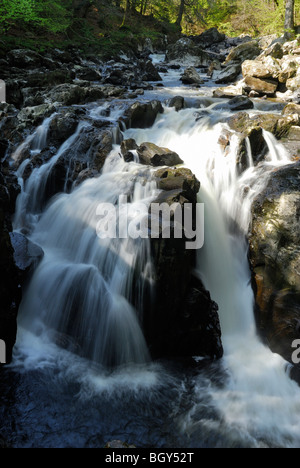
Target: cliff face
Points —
{"points": [[275, 259]]}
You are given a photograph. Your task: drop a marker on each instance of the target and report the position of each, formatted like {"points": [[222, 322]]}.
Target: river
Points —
{"points": [[54, 398]]}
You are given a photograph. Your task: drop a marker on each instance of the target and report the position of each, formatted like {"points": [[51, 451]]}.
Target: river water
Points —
{"points": [[54, 398]]}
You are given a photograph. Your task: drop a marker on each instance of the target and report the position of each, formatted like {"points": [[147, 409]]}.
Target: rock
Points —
{"points": [[186, 52], [191, 76], [246, 51], [142, 114], [294, 134], [274, 123], [263, 87], [274, 50], [26, 254], [228, 92], [210, 37], [230, 73], [23, 58], [275, 259], [69, 94], [240, 103], [178, 102], [128, 145], [187, 317], [293, 84], [11, 280], [288, 69], [62, 126], [150, 73], [89, 74], [153, 155], [178, 179], [258, 146], [268, 68], [36, 114]]}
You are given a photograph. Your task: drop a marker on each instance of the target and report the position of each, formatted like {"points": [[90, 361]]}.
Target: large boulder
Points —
{"points": [[186, 52], [259, 86], [275, 259], [269, 68], [245, 51]]}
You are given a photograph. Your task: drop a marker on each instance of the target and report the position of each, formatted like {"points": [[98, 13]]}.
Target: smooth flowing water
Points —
{"points": [[245, 400]]}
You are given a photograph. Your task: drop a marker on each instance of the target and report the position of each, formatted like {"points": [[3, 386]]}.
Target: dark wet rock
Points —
{"points": [[10, 286], [240, 103], [229, 73], [69, 94], [187, 317], [23, 58], [63, 125], [128, 145], [258, 146], [191, 76], [150, 72], [153, 155], [89, 74], [178, 102], [275, 259], [26, 254], [142, 114]]}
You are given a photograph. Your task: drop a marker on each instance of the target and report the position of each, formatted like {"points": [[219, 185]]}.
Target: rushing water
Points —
{"points": [[64, 399]]}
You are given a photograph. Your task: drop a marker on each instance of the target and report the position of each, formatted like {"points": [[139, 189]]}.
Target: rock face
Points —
{"points": [[10, 288], [275, 259], [183, 320]]}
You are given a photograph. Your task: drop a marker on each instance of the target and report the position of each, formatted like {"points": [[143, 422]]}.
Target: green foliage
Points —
{"points": [[51, 15]]}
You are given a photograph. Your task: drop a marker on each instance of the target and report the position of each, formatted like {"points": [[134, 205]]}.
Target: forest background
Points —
{"points": [[109, 24]]}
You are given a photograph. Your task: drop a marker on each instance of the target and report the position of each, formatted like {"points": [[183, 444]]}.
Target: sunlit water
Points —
{"points": [[244, 400]]}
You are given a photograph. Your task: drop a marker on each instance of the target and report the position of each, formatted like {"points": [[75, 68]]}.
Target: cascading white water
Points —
{"points": [[83, 285], [257, 404], [259, 401]]}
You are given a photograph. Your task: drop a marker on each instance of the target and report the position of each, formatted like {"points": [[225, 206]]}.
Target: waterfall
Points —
{"points": [[81, 293], [259, 397], [82, 287]]}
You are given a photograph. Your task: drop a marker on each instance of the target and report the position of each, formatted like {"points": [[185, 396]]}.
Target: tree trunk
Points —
{"points": [[180, 14], [289, 23]]}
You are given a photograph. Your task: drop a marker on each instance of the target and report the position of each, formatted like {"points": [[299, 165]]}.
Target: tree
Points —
{"points": [[289, 23]]}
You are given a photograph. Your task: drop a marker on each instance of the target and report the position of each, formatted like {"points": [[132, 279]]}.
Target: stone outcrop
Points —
{"points": [[275, 259], [183, 320]]}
